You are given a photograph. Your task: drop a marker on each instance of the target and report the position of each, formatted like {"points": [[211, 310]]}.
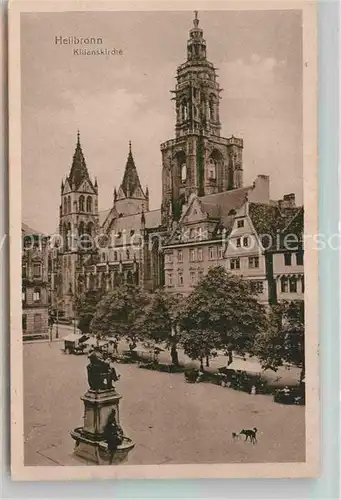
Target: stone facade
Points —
{"points": [[198, 160], [35, 286]]}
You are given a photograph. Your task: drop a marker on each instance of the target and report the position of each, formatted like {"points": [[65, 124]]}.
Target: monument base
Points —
{"points": [[96, 451]]}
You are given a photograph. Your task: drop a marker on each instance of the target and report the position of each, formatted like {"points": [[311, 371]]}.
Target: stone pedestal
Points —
{"points": [[90, 443]]}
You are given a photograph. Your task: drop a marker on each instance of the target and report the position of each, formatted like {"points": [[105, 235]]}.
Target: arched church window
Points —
{"points": [[184, 110], [65, 206], [212, 107], [129, 277], [89, 204], [212, 169], [81, 203], [128, 255], [81, 228], [69, 204], [115, 255], [183, 172]]}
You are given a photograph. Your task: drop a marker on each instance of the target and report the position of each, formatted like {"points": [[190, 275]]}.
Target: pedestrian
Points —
{"points": [[113, 434]]}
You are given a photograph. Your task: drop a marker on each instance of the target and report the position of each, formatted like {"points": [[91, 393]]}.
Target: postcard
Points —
{"points": [[163, 239]]}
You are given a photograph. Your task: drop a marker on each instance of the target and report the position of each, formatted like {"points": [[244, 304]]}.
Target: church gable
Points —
{"points": [[86, 187], [194, 213], [67, 188]]}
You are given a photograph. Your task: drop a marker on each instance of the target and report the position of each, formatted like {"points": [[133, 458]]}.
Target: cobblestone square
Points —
{"points": [[171, 421]]}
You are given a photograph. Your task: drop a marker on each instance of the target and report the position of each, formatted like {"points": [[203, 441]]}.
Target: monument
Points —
{"points": [[101, 439]]}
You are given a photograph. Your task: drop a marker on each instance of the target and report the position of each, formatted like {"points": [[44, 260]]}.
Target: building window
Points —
{"points": [[211, 253], [180, 279], [220, 252], [200, 256], [169, 257], [23, 296], [235, 263], [257, 287], [37, 270], [287, 259], [183, 172], [212, 171], [24, 322], [24, 271], [192, 255], [192, 278], [293, 285], [240, 223], [115, 255], [284, 285], [180, 256], [81, 203], [169, 279], [238, 243], [103, 257], [253, 262], [36, 295], [299, 258], [302, 283], [89, 204], [246, 241]]}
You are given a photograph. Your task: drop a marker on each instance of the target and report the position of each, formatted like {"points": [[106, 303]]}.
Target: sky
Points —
{"points": [[114, 99]]}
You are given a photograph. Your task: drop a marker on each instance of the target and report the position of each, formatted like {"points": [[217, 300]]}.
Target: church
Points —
{"points": [[204, 204]]}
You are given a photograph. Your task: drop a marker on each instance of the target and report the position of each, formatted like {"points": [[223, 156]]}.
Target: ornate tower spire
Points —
{"points": [[130, 197], [79, 171], [196, 45]]}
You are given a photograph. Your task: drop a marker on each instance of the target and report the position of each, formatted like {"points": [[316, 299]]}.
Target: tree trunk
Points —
{"points": [[174, 355], [229, 358], [201, 364], [207, 361]]}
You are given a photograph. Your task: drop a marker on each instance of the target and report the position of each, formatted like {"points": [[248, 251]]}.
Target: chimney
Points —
{"points": [[261, 190]]}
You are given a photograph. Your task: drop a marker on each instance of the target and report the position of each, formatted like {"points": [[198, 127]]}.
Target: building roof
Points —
{"points": [[128, 222], [28, 231], [267, 219], [79, 171], [131, 180], [102, 215]]}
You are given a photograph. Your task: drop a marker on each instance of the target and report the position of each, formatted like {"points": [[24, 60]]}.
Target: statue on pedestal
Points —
{"points": [[101, 439]]}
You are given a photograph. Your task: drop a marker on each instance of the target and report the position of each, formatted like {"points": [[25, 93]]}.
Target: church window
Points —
{"points": [[81, 203], [81, 228], [115, 255], [212, 169], [211, 107], [65, 206], [184, 110], [183, 172], [69, 204], [128, 255], [103, 257], [89, 204]]}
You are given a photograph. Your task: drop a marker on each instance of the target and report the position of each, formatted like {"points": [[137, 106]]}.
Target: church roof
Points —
{"points": [[79, 171], [220, 205], [131, 179], [28, 231]]}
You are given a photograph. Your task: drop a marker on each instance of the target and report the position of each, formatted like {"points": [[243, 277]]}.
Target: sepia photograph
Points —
{"points": [[166, 164]]}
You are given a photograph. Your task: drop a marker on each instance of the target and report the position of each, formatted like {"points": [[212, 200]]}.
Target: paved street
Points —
{"points": [[170, 421]]}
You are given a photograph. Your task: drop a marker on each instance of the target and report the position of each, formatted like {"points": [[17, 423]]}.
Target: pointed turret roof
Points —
{"points": [[79, 171], [131, 179]]}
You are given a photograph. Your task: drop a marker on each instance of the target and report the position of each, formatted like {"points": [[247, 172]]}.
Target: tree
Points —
{"points": [[160, 320], [119, 311], [86, 307], [283, 339], [221, 313]]}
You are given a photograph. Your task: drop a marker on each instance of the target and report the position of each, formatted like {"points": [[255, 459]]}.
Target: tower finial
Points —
{"points": [[78, 137], [129, 147], [196, 20]]}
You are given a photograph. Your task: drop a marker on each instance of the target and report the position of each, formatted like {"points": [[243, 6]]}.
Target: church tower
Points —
{"points": [[78, 226], [130, 198], [198, 160]]}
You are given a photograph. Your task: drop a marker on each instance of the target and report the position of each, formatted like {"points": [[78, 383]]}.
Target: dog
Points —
{"points": [[235, 436], [250, 433]]}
